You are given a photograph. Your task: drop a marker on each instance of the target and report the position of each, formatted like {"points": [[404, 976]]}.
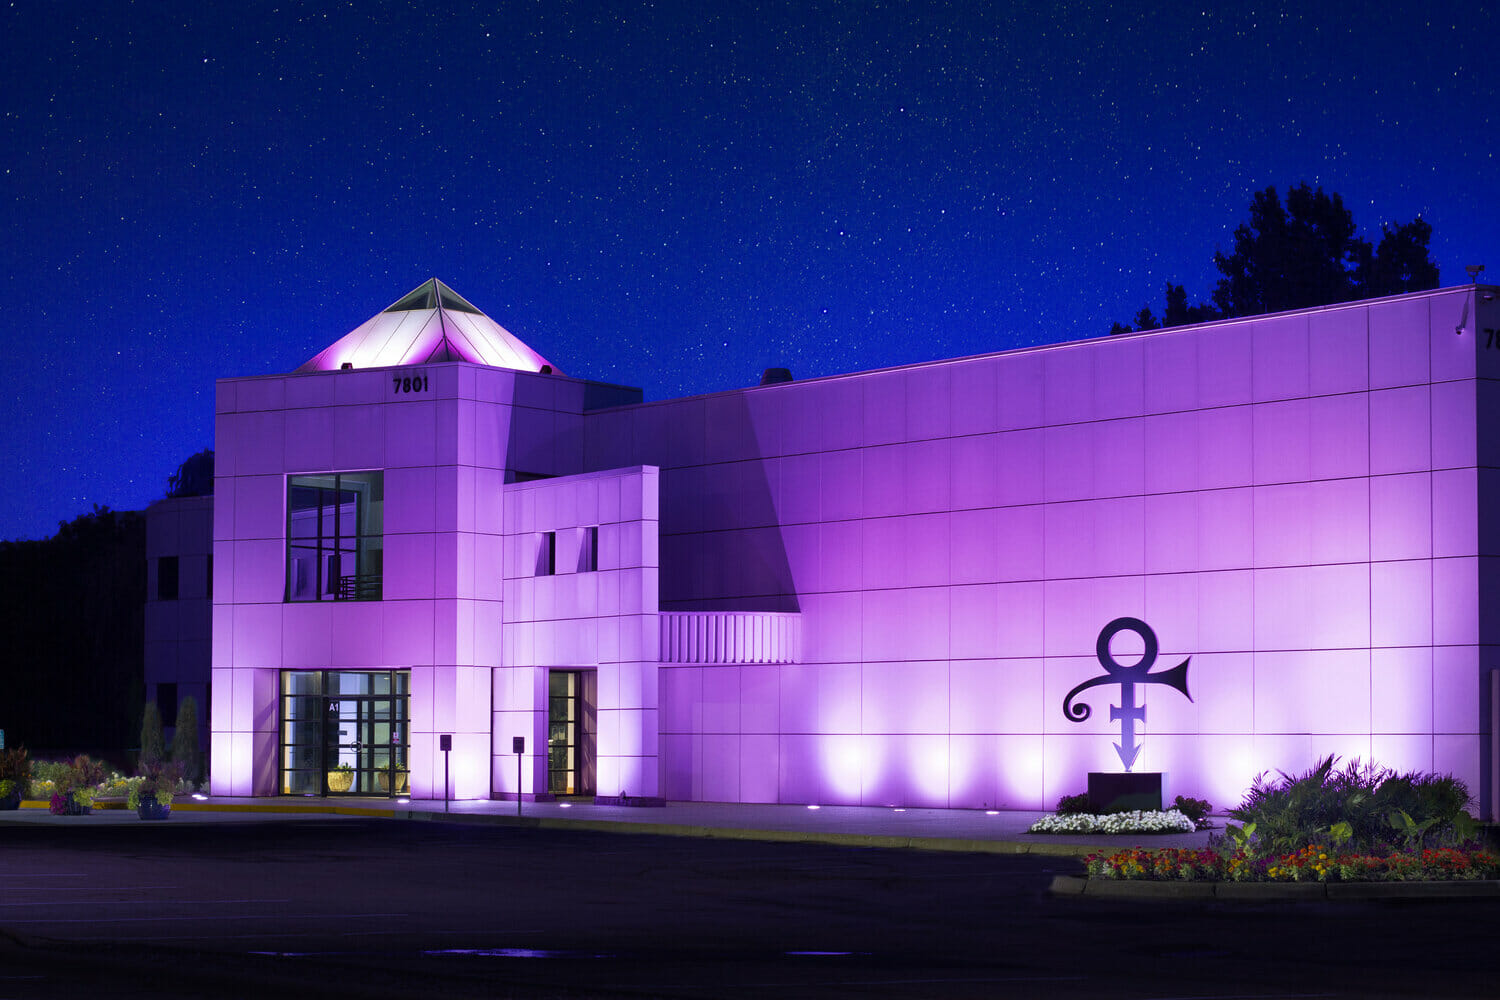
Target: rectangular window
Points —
{"points": [[335, 536], [166, 703], [588, 550], [210, 581], [166, 578], [546, 554]]}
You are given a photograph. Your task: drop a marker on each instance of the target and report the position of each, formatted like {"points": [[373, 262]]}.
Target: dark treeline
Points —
{"points": [[72, 613], [1306, 252]]}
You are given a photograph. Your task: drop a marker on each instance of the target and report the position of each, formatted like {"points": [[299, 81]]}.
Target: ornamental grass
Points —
{"points": [[1313, 863]]}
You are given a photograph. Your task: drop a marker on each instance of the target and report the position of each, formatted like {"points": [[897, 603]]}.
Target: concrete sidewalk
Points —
{"points": [[996, 832]]}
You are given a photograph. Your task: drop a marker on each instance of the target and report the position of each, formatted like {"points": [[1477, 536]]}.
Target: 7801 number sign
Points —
{"points": [[408, 383]]}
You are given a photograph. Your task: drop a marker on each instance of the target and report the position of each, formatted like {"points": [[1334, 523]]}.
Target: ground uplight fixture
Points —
{"points": [[992, 812], [200, 796], [565, 805], [810, 806], [899, 810]]}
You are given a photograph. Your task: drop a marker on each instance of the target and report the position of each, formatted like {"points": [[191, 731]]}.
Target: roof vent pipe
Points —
{"points": [[775, 376]]}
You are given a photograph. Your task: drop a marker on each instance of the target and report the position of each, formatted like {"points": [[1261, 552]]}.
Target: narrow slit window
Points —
{"points": [[546, 554], [588, 550]]}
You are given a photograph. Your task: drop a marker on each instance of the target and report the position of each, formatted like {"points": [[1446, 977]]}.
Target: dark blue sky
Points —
{"points": [[669, 195]]}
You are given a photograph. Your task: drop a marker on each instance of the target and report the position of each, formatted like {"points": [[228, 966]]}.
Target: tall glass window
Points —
{"points": [[335, 536]]}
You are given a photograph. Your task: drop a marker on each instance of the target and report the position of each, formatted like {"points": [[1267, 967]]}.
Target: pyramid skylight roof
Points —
{"points": [[430, 323]]}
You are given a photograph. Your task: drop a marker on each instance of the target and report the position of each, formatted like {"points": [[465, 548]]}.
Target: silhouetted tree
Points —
{"points": [[1144, 320], [1179, 313], [72, 610], [194, 477], [1304, 253], [1400, 263]]}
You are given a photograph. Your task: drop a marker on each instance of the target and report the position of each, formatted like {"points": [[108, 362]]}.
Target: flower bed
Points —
{"points": [[1313, 863], [1135, 821]]}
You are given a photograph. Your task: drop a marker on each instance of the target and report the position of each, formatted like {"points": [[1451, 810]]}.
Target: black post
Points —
{"points": [[445, 744], [518, 745]]}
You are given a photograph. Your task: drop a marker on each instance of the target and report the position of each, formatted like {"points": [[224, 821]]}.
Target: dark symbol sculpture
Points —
{"points": [[1127, 713]]}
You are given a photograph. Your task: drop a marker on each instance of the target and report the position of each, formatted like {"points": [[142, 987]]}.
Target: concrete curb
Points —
{"points": [[964, 845], [236, 807], [1097, 888], [953, 844], [245, 807]]}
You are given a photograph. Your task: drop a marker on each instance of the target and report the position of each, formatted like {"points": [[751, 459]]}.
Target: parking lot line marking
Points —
{"points": [[137, 902], [227, 916], [45, 875], [259, 935]]}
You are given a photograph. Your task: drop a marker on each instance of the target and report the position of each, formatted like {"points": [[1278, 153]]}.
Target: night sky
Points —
{"points": [[672, 195]]}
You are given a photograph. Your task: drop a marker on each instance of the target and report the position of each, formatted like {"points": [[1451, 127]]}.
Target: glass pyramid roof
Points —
{"points": [[430, 323]]}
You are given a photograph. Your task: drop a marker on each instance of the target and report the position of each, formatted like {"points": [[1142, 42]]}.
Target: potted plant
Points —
{"points": [[75, 790], [151, 795], [392, 776], [341, 778], [15, 777]]}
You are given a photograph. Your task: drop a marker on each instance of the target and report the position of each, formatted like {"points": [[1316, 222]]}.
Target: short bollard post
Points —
{"points": [[445, 744], [518, 747]]}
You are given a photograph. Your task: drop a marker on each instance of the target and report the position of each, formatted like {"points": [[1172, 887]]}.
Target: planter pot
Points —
{"points": [[340, 781], [11, 801], [383, 779], [71, 808], [152, 809]]}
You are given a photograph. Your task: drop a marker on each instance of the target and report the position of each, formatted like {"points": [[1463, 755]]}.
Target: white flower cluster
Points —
{"points": [[1135, 821]]}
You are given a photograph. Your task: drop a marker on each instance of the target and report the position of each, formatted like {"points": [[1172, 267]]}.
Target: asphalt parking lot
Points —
{"points": [[381, 908]]}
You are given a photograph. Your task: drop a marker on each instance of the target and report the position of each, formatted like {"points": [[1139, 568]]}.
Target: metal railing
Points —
{"points": [[363, 587]]}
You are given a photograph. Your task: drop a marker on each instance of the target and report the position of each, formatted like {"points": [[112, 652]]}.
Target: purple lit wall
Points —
{"points": [[878, 588], [178, 629], [444, 452], [587, 613], [1291, 501]]}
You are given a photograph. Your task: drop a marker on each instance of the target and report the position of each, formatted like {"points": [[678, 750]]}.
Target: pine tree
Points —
{"points": [[185, 739], [1304, 252], [153, 746]]}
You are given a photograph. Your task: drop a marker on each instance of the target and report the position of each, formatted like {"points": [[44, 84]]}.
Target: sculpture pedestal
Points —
{"points": [[1114, 792]]}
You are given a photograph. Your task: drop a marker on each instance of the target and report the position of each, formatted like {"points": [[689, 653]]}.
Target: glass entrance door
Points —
{"points": [[344, 732], [570, 732]]}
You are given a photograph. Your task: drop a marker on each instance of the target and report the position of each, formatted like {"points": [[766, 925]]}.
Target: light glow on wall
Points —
{"points": [[880, 587]]}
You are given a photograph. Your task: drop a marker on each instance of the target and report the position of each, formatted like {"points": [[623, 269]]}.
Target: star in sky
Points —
{"points": [[668, 195]]}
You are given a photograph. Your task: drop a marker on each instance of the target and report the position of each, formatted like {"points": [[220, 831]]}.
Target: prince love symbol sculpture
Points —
{"points": [[1127, 713]]}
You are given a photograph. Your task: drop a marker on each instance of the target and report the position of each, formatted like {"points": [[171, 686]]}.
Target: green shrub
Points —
{"points": [[15, 771], [185, 739], [1074, 805], [153, 745], [1358, 805], [52, 771], [1196, 810]]}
